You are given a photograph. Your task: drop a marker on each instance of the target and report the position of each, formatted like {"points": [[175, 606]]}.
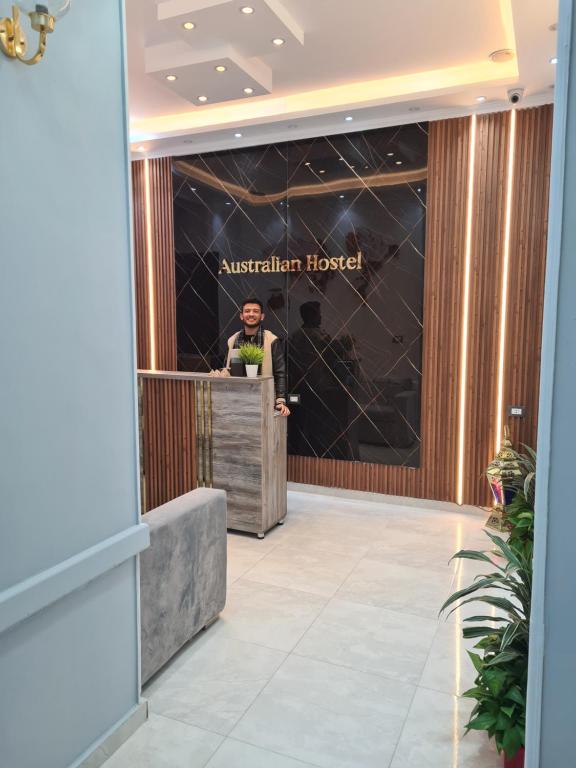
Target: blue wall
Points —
{"points": [[551, 716], [69, 520]]}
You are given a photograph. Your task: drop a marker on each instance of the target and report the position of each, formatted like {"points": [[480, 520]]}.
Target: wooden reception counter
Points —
{"points": [[219, 432]]}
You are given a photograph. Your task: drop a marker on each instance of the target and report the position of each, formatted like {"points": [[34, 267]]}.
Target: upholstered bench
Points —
{"points": [[182, 574]]}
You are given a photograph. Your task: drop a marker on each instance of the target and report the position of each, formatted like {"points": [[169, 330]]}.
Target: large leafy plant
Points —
{"points": [[501, 662]]}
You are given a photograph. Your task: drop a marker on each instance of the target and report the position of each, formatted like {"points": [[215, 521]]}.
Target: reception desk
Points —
{"points": [[217, 432]]}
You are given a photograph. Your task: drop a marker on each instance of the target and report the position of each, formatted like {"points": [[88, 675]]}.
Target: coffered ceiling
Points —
{"points": [[205, 74]]}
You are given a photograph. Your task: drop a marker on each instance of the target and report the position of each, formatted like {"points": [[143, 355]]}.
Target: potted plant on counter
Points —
{"points": [[502, 660], [252, 356]]}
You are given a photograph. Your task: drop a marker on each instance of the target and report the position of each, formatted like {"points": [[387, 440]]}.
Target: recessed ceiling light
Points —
{"points": [[501, 55], [189, 25], [247, 9], [193, 189], [419, 189], [202, 98], [341, 197], [480, 99], [220, 68], [554, 60], [307, 163], [341, 159], [352, 166], [171, 78], [278, 41], [398, 162], [248, 91], [237, 135], [389, 154], [322, 171], [141, 149], [348, 118]]}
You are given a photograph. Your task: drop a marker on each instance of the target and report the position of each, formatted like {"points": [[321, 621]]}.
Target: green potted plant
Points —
{"points": [[502, 661], [252, 356]]}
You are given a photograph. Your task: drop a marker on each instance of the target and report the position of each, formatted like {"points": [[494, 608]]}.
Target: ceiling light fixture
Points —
{"points": [[389, 154], [322, 171], [220, 68], [398, 162], [501, 55], [189, 25], [141, 149], [480, 99], [341, 197], [278, 41], [248, 91], [171, 78], [348, 118], [237, 135], [554, 60], [247, 9], [202, 98], [307, 163]]}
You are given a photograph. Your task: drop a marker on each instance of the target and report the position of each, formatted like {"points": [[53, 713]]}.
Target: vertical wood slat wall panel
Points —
{"points": [[161, 205], [169, 439], [445, 250], [488, 229], [527, 268], [140, 267]]}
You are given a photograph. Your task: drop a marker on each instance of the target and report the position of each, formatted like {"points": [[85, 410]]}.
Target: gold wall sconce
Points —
{"points": [[43, 17]]}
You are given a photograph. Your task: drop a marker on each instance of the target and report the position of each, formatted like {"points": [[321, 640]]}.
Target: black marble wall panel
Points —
{"points": [[345, 217]]}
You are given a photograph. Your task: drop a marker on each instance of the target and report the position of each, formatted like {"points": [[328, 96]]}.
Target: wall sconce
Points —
{"points": [[42, 19]]}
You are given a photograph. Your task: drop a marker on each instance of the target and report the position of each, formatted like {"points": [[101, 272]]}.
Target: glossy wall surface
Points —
{"points": [[329, 233]]}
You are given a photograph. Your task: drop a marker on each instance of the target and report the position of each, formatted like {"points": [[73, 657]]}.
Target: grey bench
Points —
{"points": [[182, 574]]}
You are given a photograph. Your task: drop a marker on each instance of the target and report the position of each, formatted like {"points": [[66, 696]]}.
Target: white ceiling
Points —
{"points": [[378, 61]]}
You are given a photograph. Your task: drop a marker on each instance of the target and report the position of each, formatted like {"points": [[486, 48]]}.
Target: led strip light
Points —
{"points": [[505, 280], [150, 268], [465, 312]]}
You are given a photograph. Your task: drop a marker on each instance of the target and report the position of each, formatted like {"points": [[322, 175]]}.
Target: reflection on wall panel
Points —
{"points": [[162, 255], [329, 233], [168, 440]]}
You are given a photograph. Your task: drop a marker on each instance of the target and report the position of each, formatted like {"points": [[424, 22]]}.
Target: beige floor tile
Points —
{"points": [[237, 754], [433, 736], [370, 639], [328, 715], [216, 684]]}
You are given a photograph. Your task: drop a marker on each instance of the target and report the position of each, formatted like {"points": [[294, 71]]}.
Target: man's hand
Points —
{"points": [[283, 409]]}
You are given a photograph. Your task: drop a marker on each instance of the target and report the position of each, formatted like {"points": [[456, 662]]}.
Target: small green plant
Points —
{"points": [[251, 354]]}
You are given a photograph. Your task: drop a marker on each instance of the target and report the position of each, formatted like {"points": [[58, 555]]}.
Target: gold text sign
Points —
{"points": [[310, 263]]}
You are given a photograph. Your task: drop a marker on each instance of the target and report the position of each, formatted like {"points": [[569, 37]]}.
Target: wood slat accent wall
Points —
{"points": [[527, 268], [487, 235], [445, 253], [162, 229], [169, 439]]}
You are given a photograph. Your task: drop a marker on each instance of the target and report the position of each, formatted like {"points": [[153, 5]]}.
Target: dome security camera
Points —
{"points": [[515, 95]]}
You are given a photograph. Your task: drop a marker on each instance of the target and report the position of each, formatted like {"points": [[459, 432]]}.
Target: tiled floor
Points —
{"points": [[329, 652]]}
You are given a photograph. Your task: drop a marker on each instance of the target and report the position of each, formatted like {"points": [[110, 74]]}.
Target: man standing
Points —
{"points": [[252, 316]]}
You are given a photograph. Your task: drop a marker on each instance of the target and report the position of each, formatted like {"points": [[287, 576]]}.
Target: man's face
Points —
{"points": [[251, 315]]}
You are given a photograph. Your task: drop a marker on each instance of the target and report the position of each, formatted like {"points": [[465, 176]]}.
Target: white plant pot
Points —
{"points": [[251, 371]]}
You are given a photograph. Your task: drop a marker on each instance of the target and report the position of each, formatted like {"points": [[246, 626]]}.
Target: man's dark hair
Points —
{"points": [[253, 301]]}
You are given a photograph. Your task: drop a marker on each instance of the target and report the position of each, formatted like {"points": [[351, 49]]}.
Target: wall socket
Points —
{"points": [[516, 410]]}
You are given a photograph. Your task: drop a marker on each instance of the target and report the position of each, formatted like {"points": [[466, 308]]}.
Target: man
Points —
{"points": [[252, 316]]}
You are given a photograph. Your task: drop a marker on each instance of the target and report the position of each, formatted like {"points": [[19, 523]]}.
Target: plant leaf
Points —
{"points": [[482, 722], [503, 657]]}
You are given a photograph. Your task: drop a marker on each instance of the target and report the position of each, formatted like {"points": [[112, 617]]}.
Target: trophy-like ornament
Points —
{"points": [[503, 475]]}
